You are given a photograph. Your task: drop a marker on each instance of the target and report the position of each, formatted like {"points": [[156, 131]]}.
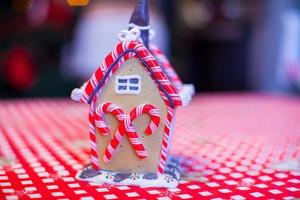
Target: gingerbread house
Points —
{"points": [[133, 96]]}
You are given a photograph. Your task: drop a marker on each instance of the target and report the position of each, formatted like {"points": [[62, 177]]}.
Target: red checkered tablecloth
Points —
{"points": [[232, 147]]}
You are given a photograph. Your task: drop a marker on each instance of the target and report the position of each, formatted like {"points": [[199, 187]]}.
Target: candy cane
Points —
{"points": [[152, 127], [124, 127], [132, 136], [152, 111], [103, 128], [107, 108]]}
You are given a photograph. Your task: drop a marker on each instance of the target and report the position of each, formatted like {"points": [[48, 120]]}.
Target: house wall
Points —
{"points": [[125, 158]]}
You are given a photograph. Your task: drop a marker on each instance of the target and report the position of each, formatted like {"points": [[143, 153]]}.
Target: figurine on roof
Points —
{"points": [[133, 96]]}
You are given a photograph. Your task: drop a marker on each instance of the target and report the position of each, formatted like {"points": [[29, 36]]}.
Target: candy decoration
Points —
{"points": [[131, 35], [147, 109], [132, 136], [125, 126], [165, 143], [93, 141], [166, 67], [107, 108]]}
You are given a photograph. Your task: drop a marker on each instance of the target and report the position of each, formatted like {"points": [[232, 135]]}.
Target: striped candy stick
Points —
{"points": [[151, 128], [132, 135], [127, 127], [107, 108], [115, 141], [101, 125], [93, 142], [166, 67], [165, 143], [147, 109], [123, 128]]}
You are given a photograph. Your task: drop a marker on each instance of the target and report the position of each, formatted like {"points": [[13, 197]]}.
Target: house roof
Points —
{"points": [[167, 67], [114, 60]]}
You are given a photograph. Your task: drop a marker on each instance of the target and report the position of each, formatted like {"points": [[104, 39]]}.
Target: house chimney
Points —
{"points": [[140, 19]]}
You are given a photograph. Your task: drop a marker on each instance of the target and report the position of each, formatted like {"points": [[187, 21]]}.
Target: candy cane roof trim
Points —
{"points": [[123, 52], [166, 67]]}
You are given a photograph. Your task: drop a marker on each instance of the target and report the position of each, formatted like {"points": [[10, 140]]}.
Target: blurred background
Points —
{"points": [[48, 47]]}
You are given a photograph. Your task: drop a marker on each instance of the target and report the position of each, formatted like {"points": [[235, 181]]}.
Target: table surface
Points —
{"points": [[232, 145]]}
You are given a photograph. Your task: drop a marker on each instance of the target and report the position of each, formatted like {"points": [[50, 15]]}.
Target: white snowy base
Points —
{"points": [[167, 180], [162, 180]]}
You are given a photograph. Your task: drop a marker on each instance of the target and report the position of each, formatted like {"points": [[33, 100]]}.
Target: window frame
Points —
{"points": [[128, 84]]}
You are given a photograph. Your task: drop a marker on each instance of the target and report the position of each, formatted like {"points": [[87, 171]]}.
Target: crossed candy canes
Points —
{"points": [[125, 126]]}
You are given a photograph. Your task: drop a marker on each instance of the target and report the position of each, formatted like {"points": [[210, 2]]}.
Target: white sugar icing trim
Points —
{"points": [[169, 179], [131, 25], [151, 34], [77, 93], [188, 90], [107, 177], [129, 35]]}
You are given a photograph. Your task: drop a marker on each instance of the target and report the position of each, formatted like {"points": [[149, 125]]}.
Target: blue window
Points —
{"points": [[130, 84]]}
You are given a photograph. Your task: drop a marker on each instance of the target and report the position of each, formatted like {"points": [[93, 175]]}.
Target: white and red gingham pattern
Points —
{"points": [[230, 144], [159, 76], [167, 67]]}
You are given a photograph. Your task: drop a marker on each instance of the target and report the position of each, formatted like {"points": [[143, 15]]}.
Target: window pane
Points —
{"points": [[134, 80], [122, 87], [122, 80], [133, 88]]}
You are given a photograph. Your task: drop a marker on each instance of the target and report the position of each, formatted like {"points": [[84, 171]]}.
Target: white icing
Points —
{"points": [[132, 25], [127, 84], [188, 90], [129, 35], [171, 131], [76, 94], [152, 34]]}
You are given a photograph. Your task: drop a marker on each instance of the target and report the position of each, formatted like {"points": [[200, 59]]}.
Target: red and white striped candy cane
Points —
{"points": [[137, 145], [107, 108], [103, 128], [151, 128], [131, 134], [124, 127], [147, 109]]}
